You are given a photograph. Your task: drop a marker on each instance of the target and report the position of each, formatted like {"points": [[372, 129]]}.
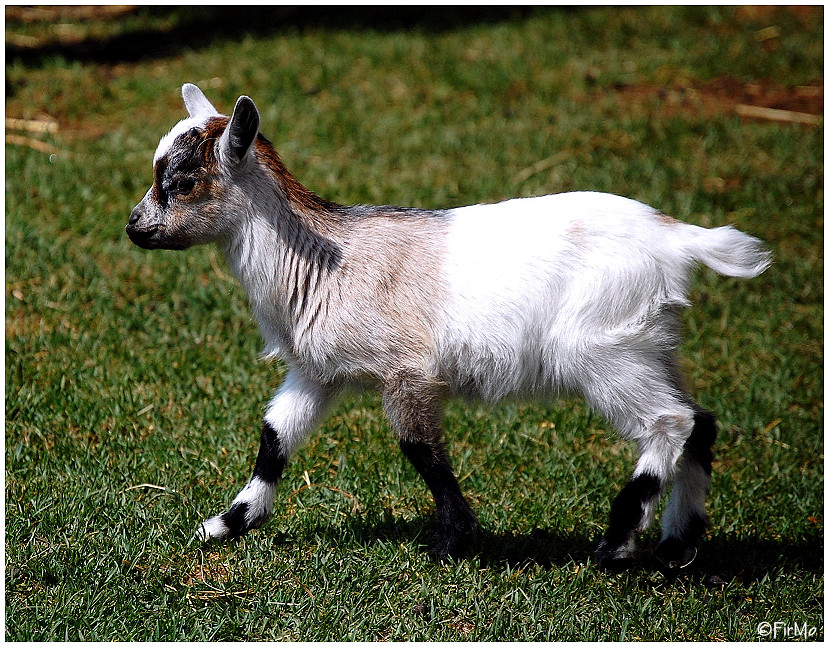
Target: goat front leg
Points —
{"points": [[413, 406], [292, 414]]}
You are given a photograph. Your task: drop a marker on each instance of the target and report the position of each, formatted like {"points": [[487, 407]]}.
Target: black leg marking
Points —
{"points": [[412, 403], [270, 461], [456, 521], [699, 443], [252, 506], [234, 519], [625, 516]]}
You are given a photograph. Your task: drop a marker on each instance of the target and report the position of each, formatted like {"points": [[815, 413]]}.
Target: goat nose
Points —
{"points": [[135, 214]]}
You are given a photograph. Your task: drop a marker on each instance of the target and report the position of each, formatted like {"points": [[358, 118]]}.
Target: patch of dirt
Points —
{"points": [[726, 95], [802, 98], [206, 573]]}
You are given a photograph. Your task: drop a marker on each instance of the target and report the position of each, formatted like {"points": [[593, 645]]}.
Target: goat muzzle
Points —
{"points": [[141, 235]]}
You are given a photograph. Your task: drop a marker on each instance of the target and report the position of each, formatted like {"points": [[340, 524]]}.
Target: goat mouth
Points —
{"points": [[146, 238], [152, 238]]}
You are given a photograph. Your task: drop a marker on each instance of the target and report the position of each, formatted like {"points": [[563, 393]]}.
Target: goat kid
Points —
{"points": [[576, 292]]}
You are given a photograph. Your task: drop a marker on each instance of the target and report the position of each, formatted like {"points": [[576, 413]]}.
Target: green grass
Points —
{"points": [[133, 396]]}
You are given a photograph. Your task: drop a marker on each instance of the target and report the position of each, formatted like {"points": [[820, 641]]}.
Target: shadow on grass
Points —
{"points": [[202, 27], [721, 559], [749, 559], [540, 546]]}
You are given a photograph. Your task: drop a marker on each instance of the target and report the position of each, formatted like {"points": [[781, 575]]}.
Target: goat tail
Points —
{"points": [[729, 251]]}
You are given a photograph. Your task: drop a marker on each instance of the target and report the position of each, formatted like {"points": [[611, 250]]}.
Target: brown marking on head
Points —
{"points": [[191, 159]]}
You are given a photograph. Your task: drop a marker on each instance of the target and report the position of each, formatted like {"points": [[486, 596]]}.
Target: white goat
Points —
{"points": [[577, 292]]}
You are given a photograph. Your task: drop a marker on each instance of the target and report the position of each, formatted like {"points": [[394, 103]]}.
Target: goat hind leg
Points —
{"points": [[685, 518], [632, 509], [291, 415]]}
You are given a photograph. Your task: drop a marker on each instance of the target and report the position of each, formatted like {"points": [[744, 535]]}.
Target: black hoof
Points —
{"points": [[442, 553], [613, 559], [231, 524], [454, 548], [615, 564], [454, 542], [674, 554]]}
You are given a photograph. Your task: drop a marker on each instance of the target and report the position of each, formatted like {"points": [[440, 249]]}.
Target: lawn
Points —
{"points": [[133, 390]]}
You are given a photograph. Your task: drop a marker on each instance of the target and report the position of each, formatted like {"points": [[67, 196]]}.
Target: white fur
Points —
{"points": [[554, 293], [180, 128], [259, 497], [688, 495], [196, 103], [580, 292], [296, 409], [213, 528], [200, 111]]}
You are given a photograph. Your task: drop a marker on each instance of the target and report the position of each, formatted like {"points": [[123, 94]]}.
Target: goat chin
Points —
{"points": [[577, 292]]}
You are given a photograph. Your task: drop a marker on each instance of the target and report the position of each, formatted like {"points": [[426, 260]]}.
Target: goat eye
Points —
{"points": [[183, 187]]}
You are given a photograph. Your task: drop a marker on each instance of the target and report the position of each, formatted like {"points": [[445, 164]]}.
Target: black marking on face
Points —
{"points": [[190, 160], [186, 202]]}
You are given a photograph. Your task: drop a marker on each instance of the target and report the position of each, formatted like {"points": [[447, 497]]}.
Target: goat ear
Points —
{"points": [[196, 103], [240, 133]]}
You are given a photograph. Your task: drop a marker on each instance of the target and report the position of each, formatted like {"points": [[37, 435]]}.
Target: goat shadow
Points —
{"points": [[721, 558]]}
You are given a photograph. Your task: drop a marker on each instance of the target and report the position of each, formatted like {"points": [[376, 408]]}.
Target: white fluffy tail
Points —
{"points": [[730, 252]]}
